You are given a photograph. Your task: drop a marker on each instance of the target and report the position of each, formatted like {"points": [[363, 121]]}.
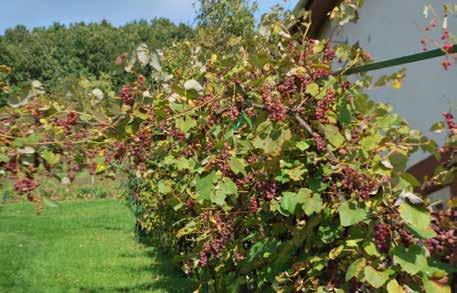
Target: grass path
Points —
{"points": [[79, 247]]}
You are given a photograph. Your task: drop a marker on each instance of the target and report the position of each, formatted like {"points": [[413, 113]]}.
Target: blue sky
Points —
{"points": [[35, 13]]}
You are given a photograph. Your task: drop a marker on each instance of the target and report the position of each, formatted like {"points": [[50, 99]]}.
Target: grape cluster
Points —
{"points": [[232, 113], [329, 53], [252, 159], [321, 145], [190, 204], [451, 124], [222, 232], [321, 73], [119, 150], [91, 165], [12, 166], [288, 86], [68, 121], [382, 237], [126, 95], [25, 185], [177, 134], [446, 64], [203, 261], [276, 109], [246, 180], [447, 47], [356, 134], [267, 189], [354, 181], [222, 160], [144, 139], [324, 105], [406, 237], [253, 205], [444, 244]]}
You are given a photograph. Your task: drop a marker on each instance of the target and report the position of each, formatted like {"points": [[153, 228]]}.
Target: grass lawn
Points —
{"points": [[86, 246]]}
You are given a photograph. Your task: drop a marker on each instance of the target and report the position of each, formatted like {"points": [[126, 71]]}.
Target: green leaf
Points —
{"points": [[416, 216], [218, 197], [344, 113], [388, 121], [205, 186], [237, 165], [164, 187], [394, 287], [371, 249], [302, 145], [432, 286], [426, 233], [370, 142], [313, 204], [333, 135], [227, 186], [4, 158], [185, 124], [375, 278], [438, 127], [398, 161], [411, 179], [351, 213], [184, 164], [289, 202], [312, 89], [50, 157], [355, 269], [272, 144], [141, 115], [412, 259]]}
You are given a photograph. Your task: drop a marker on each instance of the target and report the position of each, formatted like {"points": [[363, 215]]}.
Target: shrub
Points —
{"points": [[258, 165]]}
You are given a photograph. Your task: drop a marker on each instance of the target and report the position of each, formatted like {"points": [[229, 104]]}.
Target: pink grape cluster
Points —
{"points": [[354, 181], [267, 189], [445, 242], [276, 109], [232, 113], [321, 145], [451, 124], [177, 134], [323, 106], [382, 237], [222, 160], [321, 73], [68, 121], [126, 95], [253, 205], [406, 237], [222, 232], [288, 86], [25, 185]]}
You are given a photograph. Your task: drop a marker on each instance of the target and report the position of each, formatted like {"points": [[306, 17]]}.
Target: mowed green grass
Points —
{"points": [[86, 246]]}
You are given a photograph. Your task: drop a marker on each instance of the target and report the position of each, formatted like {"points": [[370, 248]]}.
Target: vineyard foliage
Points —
{"points": [[256, 166]]}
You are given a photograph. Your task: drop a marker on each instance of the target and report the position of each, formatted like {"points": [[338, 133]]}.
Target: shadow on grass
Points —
{"points": [[165, 277]]}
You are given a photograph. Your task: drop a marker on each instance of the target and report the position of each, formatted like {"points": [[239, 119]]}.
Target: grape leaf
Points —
{"points": [[334, 136], [205, 186], [355, 269], [375, 278], [352, 213], [394, 287]]}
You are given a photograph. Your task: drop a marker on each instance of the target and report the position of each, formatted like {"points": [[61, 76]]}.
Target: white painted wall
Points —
{"points": [[389, 29]]}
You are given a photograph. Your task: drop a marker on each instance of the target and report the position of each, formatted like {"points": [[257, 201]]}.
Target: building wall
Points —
{"points": [[392, 28]]}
